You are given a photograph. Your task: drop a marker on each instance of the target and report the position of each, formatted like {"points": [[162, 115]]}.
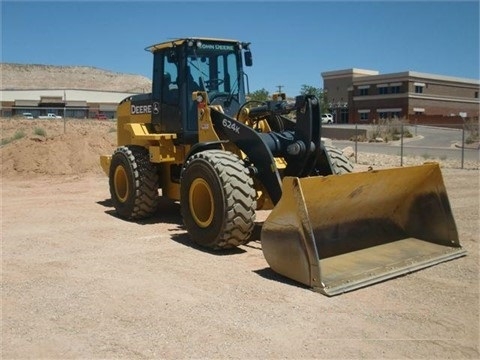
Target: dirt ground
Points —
{"points": [[78, 282]]}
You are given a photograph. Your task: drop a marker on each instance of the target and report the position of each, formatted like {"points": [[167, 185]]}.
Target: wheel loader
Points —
{"points": [[195, 139]]}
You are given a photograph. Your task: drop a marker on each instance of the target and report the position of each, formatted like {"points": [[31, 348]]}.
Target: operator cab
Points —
{"points": [[187, 65]]}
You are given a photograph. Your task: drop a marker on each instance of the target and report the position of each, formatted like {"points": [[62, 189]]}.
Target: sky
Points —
{"points": [[292, 42]]}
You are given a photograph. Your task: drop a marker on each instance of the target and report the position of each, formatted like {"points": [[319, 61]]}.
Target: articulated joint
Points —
{"points": [[300, 148]]}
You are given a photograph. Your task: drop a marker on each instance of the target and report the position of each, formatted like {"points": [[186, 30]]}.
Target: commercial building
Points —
{"points": [[365, 96], [82, 104]]}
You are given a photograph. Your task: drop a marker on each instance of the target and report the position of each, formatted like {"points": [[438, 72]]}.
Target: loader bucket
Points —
{"points": [[342, 232]]}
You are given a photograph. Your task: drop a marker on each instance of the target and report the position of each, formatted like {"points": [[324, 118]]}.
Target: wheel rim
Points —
{"points": [[121, 184], [201, 202]]}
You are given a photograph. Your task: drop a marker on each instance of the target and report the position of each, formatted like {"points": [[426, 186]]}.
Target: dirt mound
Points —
{"points": [[52, 147], [21, 76]]}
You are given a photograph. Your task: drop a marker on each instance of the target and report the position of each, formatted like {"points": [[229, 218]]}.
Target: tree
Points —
{"points": [[259, 95], [311, 90], [319, 93]]}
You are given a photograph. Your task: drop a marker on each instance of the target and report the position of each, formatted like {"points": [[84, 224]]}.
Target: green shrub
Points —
{"points": [[40, 131], [18, 135]]}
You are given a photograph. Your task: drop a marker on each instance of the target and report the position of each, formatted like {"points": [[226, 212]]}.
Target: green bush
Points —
{"points": [[40, 131], [18, 135]]}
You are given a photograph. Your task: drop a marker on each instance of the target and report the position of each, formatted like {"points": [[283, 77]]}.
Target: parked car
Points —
{"points": [[327, 119], [50, 116], [27, 115]]}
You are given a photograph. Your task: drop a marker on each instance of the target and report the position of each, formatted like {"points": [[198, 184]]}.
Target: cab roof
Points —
{"points": [[180, 41]]}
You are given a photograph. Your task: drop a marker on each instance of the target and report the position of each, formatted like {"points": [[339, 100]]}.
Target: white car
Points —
{"points": [[327, 119], [50, 116], [27, 115]]}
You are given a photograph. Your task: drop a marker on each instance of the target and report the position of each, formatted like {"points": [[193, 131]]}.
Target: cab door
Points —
{"points": [[166, 113]]}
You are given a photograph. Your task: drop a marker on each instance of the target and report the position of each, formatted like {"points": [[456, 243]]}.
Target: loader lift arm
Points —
{"points": [[301, 147]]}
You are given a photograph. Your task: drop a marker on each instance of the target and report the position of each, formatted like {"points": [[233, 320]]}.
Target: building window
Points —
{"points": [[419, 111], [383, 90], [363, 89], [419, 87], [395, 89], [363, 114], [476, 94], [389, 114]]}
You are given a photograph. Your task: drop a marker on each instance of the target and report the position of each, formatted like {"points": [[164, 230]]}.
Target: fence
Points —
{"points": [[453, 145]]}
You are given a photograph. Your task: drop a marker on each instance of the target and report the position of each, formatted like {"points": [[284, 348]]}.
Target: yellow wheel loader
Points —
{"points": [[194, 139]]}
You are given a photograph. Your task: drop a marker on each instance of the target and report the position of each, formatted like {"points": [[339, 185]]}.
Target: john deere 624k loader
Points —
{"points": [[195, 139]]}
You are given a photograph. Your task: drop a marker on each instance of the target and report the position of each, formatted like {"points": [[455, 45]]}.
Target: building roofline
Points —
{"points": [[348, 72], [365, 75], [417, 75]]}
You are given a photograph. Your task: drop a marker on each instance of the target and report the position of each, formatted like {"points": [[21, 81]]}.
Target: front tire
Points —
{"points": [[217, 199], [133, 183]]}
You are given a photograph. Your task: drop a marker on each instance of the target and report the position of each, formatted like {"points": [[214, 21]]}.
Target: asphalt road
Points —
{"points": [[427, 142]]}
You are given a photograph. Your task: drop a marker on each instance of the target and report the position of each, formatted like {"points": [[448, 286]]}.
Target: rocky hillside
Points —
{"points": [[21, 76]]}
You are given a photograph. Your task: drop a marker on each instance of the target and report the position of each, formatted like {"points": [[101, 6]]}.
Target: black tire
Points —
{"points": [[332, 162], [339, 162], [217, 199], [133, 183]]}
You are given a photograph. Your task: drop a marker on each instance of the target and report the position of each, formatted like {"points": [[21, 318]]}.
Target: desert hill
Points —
{"points": [[34, 76]]}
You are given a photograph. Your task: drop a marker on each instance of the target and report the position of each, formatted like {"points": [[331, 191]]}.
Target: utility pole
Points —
{"points": [[279, 88], [64, 112]]}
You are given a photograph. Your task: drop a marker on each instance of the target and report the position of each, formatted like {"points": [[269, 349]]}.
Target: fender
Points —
{"points": [[202, 146]]}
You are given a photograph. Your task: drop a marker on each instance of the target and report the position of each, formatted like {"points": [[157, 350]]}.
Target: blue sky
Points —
{"points": [[292, 42]]}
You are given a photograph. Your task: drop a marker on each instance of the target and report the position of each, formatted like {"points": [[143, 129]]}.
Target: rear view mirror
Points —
{"points": [[248, 58]]}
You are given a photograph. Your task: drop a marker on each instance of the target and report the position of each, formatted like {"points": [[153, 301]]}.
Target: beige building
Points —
{"points": [[357, 95], [82, 104]]}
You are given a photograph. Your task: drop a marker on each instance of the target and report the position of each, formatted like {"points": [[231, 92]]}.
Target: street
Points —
{"points": [[427, 142]]}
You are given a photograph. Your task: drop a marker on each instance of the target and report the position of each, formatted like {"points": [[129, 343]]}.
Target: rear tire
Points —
{"points": [[339, 162], [133, 183], [333, 162], [217, 199]]}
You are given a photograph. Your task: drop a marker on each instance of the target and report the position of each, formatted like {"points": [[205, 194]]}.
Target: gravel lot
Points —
{"points": [[78, 282]]}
